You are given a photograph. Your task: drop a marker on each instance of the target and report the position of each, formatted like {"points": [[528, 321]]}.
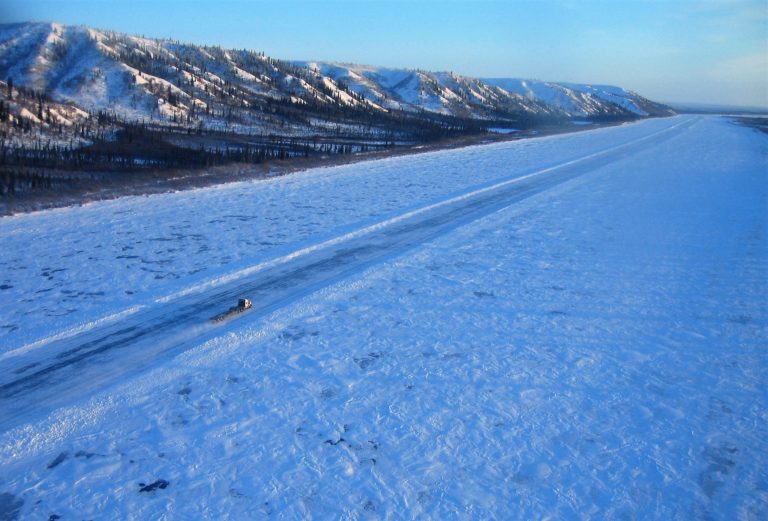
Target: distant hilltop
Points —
{"points": [[143, 79]]}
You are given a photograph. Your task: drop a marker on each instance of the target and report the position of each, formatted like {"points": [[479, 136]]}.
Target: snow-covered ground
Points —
{"points": [[67, 267], [596, 350]]}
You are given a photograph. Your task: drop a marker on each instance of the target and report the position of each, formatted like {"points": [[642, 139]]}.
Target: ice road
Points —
{"points": [[78, 364]]}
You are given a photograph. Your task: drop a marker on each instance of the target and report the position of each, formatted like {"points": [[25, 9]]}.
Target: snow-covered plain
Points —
{"points": [[594, 351], [68, 267]]}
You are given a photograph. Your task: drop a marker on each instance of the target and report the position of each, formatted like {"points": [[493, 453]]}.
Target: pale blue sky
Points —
{"points": [[710, 51]]}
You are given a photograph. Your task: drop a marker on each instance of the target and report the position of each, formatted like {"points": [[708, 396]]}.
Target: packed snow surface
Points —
{"points": [[595, 350]]}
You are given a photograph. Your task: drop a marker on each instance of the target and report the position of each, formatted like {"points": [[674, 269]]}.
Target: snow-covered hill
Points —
{"points": [[580, 100], [442, 92], [449, 93], [143, 79]]}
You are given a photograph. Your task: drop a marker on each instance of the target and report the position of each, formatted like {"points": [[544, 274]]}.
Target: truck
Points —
{"points": [[243, 304]]}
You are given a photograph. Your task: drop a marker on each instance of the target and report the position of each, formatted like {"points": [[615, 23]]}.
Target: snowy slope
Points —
{"points": [[143, 79], [592, 352], [450, 93], [580, 100], [441, 92], [146, 79]]}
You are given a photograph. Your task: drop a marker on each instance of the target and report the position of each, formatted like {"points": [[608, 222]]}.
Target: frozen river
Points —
{"points": [[571, 327]]}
